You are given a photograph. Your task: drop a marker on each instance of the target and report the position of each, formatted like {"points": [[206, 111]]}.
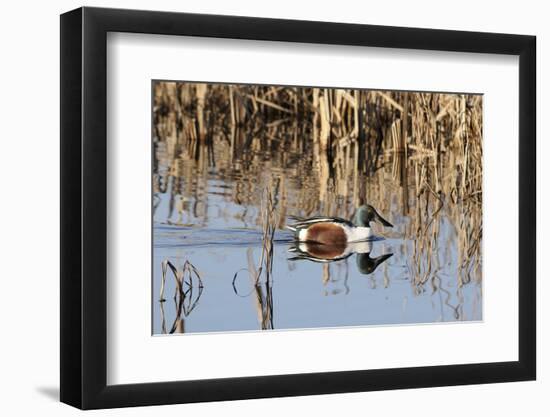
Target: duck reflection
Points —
{"points": [[317, 252]]}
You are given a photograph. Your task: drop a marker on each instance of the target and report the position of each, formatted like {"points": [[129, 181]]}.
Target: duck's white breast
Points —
{"points": [[302, 235], [358, 233]]}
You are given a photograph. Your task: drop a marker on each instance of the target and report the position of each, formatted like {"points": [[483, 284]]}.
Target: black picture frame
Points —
{"points": [[84, 207]]}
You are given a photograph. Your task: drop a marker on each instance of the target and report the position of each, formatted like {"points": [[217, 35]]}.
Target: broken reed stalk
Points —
{"points": [[269, 227], [185, 279], [262, 289], [264, 297], [185, 299]]}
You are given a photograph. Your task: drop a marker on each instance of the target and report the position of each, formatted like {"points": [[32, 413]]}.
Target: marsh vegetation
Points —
{"points": [[232, 162]]}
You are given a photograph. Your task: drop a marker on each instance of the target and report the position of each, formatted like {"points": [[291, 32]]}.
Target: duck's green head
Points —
{"points": [[366, 214]]}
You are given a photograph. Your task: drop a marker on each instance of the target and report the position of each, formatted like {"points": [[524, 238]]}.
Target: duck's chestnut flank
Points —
{"points": [[326, 233]]}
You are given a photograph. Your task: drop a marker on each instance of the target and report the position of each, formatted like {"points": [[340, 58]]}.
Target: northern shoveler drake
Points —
{"points": [[336, 231]]}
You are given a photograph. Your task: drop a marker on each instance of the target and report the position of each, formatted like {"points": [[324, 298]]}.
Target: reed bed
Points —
{"points": [[415, 155]]}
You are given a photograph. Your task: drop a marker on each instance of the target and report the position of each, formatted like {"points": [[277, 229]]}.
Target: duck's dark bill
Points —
{"points": [[384, 221]]}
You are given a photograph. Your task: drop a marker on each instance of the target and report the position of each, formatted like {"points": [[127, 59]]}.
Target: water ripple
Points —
{"points": [[167, 236]]}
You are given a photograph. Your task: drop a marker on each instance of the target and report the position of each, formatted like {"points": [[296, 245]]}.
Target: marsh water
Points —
{"points": [[209, 200]]}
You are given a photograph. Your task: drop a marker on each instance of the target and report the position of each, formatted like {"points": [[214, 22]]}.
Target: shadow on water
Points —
{"points": [[416, 157]]}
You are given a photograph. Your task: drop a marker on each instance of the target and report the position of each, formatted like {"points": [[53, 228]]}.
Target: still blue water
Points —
{"points": [[301, 293]]}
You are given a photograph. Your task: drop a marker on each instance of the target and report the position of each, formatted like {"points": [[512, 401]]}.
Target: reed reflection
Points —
{"points": [[187, 293]]}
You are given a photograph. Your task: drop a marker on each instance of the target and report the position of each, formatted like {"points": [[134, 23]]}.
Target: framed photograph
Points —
{"points": [[256, 208]]}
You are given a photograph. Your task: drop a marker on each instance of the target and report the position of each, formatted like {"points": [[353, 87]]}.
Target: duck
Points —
{"points": [[335, 230]]}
